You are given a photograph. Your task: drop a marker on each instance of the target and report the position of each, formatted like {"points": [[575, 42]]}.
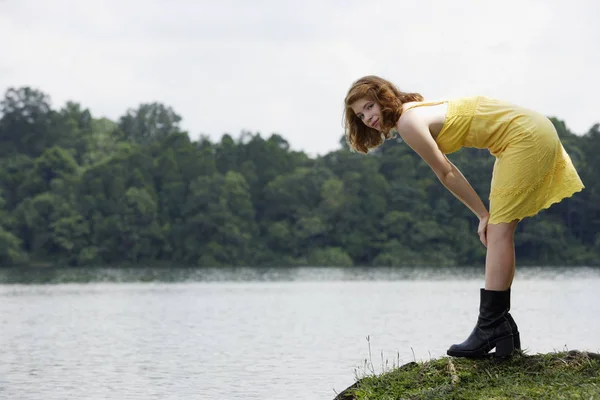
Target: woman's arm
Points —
{"points": [[458, 185], [416, 134]]}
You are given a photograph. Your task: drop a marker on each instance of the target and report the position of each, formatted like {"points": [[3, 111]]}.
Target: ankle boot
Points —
{"points": [[515, 331], [493, 328], [513, 327]]}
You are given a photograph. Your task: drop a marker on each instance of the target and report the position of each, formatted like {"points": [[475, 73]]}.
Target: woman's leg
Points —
{"points": [[500, 257], [495, 326]]}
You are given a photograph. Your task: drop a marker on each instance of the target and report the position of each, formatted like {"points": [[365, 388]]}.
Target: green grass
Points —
{"points": [[563, 375]]}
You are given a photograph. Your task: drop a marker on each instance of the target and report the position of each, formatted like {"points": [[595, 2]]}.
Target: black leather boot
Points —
{"points": [[513, 327], [515, 332], [493, 328]]}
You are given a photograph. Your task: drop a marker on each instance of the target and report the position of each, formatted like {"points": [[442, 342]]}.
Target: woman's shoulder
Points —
{"points": [[425, 103], [423, 110]]}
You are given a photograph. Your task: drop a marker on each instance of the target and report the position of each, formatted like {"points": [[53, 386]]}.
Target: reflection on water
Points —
{"points": [[283, 274]]}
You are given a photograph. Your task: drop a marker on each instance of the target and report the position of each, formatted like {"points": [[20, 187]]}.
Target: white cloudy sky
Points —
{"points": [[284, 66]]}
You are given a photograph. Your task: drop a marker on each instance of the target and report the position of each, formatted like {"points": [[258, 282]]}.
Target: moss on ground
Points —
{"points": [[563, 375]]}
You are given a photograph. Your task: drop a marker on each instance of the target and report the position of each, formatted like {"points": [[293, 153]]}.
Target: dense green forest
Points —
{"points": [[80, 191]]}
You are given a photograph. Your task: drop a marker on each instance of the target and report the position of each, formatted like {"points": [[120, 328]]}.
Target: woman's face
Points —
{"points": [[368, 111]]}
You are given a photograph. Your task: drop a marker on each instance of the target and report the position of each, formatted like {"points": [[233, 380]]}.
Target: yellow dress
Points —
{"points": [[532, 170]]}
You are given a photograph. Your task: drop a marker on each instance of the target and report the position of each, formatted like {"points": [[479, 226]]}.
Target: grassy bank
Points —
{"points": [[564, 375]]}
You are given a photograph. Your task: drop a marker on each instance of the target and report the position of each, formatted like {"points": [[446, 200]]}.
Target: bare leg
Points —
{"points": [[495, 326], [500, 257]]}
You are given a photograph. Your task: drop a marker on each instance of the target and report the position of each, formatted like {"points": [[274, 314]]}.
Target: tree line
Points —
{"points": [[76, 190]]}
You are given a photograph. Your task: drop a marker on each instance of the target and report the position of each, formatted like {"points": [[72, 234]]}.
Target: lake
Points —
{"points": [[246, 333]]}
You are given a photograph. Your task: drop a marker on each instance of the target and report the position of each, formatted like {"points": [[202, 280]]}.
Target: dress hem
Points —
{"points": [[547, 205]]}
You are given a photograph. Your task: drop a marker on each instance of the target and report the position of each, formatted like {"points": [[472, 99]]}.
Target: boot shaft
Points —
{"points": [[493, 307]]}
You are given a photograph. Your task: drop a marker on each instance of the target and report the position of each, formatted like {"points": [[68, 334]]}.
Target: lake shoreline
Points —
{"points": [[44, 274]]}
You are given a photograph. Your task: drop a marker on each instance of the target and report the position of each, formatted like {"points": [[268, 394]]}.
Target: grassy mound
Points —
{"points": [[564, 375]]}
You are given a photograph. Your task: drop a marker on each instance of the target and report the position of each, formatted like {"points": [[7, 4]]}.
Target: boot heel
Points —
{"points": [[505, 347], [517, 340]]}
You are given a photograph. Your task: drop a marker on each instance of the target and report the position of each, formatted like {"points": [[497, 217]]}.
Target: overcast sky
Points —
{"points": [[285, 66]]}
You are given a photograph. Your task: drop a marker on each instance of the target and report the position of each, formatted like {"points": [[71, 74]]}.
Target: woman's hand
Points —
{"points": [[482, 229]]}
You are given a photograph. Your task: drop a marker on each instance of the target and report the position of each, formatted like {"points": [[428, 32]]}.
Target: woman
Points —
{"points": [[531, 172]]}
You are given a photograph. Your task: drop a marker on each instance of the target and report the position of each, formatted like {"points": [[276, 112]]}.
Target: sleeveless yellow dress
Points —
{"points": [[532, 170]]}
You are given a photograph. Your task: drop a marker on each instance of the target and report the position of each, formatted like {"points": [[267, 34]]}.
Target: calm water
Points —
{"points": [[257, 333]]}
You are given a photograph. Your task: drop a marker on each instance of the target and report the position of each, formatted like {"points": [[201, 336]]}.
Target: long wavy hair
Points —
{"points": [[360, 137]]}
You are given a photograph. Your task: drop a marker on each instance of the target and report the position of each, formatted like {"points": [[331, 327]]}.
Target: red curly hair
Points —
{"points": [[360, 137]]}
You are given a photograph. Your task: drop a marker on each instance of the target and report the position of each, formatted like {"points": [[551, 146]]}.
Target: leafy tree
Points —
{"points": [[27, 125], [149, 122]]}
